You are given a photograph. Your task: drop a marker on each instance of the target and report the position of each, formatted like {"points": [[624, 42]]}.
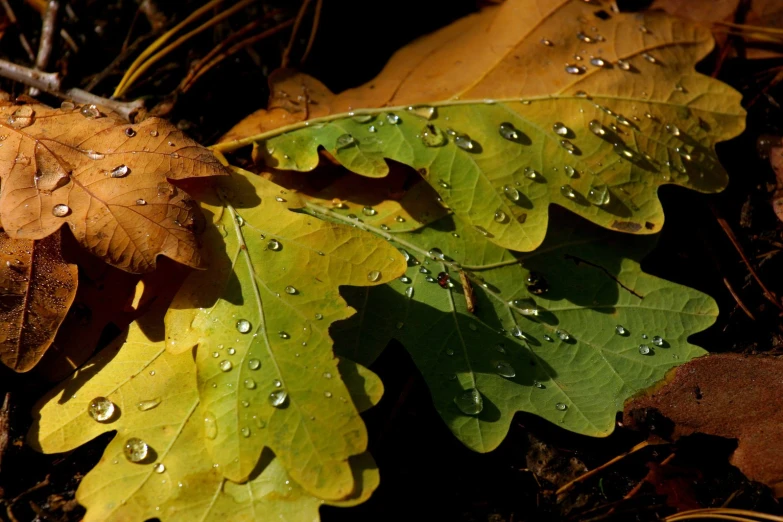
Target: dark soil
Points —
{"points": [[426, 473]]}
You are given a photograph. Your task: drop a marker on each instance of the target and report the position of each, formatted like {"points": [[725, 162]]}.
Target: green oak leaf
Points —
{"points": [[267, 375], [567, 332], [532, 103], [154, 396]]}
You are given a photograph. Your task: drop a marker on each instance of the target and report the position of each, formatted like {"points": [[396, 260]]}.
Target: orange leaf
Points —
{"points": [[38, 287], [107, 179]]}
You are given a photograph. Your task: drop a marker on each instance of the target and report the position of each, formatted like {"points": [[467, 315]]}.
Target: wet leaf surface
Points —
{"points": [[106, 179]]}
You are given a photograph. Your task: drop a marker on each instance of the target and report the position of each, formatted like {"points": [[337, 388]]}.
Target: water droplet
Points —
{"points": [[657, 340], [525, 306], [399, 219], [432, 136], [623, 151], [344, 140], [409, 292], [159, 467], [500, 216], [405, 279], [291, 290], [599, 195], [277, 398], [148, 404], [374, 276], [596, 128], [90, 111], [548, 339], [574, 69], [624, 65], [423, 111], [598, 62], [567, 145], [449, 352], [464, 142], [274, 244], [563, 335], [244, 326], [136, 450], [472, 326], [568, 191], [570, 171], [363, 118], [129, 132], [672, 129], [586, 38], [225, 365], [284, 335], [22, 117], [508, 131], [369, 211], [392, 118], [61, 210], [560, 129], [141, 202], [67, 106], [120, 171], [650, 58], [250, 384], [538, 385], [620, 329], [561, 407], [546, 42], [231, 351], [481, 230], [531, 174], [254, 364], [504, 369], [245, 431], [101, 409], [644, 349], [469, 402], [277, 198], [511, 193]]}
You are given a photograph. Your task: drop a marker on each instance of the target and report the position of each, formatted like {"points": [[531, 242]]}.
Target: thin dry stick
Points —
{"points": [[47, 36], [179, 41], [313, 29], [22, 38], [737, 299], [236, 48], [722, 513], [730, 234], [602, 467], [294, 32]]}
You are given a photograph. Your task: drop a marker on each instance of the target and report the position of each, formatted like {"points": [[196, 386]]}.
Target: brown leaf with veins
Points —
{"points": [[37, 287], [105, 178], [727, 395]]}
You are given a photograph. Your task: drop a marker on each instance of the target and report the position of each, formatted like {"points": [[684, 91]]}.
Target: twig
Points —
{"points": [[313, 30], [292, 39], [50, 82], [22, 39], [600, 468], [45, 44], [730, 234], [737, 299], [4, 426]]}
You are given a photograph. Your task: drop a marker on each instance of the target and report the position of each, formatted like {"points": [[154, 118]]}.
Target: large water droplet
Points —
{"points": [[504, 369], [61, 210], [90, 111], [432, 136], [210, 425], [148, 404], [570, 171], [598, 62], [392, 118], [250, 384], [464, 142], [344, 140], [511, 193], [672, 129], [621, 330], [599, 195], [574, 69], [525, 306], [423, 111], [374, 276], [369, 211], [291, 290], [567, 145], [596, 128], [136, 450], [254, 364], [560, 129], [469, 402], [658, 340], [409, 292], [563, 335], [561, 407], [644, 349], [225, 365], [120, 171], [101, 409], [501, 216], [623, 151], [277, 398], [624, 65], [243, 326], [508, 131], [21, 117], [159, 468], [568, 191], [532, 174], [274, 244]]}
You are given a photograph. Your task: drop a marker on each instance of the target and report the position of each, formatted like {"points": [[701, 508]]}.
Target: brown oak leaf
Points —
{"points": [[107, 179], [37, 288]]}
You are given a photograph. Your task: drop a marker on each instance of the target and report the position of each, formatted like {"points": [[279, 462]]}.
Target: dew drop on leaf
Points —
{"points": [[159, 468], [21, 117], [225, 365], [254, 364], [409, 292], [120, 171], [508, 131], [464, 142], [504, 369], [596, 128], [547, 42], [423, 111], [501, 216], [525, 306], [374, 276], [567, 145], [620, 329], [574, 69], [101, 409], [291, 290], [560, 129], [245, 431], [392, 118], [244, 326], [570, 171], [277, 398], [141, 202], [511, 193], [598, 62], [644, 349], [284, 335], [672, 129], [599, 195], [369, 211], [148, 404], [344, 140], [274, 245], [250, 384], [657, 340], [563, 335], [624, 65], [136, 450], [568, 191], [469, 402], [431, 136], [61, 210], [561, 407]]}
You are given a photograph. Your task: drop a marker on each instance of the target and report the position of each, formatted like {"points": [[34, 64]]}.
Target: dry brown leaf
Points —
{"points": [[727, 395], [107, 179], [38, 287], [776, 161]]}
